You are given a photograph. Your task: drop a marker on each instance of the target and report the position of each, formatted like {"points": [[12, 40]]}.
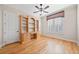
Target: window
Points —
{"points": [[55, 22], [55, 25]]}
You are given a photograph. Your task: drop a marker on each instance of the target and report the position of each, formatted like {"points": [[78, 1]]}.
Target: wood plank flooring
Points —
{"points": [[42, 45]]}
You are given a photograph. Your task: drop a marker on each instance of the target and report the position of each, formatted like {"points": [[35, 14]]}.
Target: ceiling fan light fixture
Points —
{"points": [[41, 9], [40, 4]]}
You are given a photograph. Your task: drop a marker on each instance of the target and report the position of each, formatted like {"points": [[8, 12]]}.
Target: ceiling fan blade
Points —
{"points": [[37, 7], [45, 11], [35, 11], [46, 7]]}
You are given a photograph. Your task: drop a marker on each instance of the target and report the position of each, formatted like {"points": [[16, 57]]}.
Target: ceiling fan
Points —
{"points": [[41, 9]]}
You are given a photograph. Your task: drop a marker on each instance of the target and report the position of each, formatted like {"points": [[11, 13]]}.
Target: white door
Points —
{"points": [[10, 27]]}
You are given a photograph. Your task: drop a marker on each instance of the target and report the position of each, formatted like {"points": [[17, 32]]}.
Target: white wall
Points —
{"points": [[0, 29], [12, 9], [70, 23], [78, 24], [44, 27], [9, 9], [69, 31]]}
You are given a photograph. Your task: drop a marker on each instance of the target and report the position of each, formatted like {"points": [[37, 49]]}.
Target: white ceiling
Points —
{"points": [[30, 8]]}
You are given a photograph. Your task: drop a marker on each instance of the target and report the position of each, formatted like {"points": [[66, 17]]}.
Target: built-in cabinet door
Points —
{"points": [[10, 27]]}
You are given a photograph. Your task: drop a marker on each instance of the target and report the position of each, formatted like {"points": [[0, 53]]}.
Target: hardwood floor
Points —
{"points": [[42, 45]]}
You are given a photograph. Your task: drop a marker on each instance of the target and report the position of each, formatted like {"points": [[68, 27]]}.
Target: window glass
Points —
{"points": [[55, 25]]}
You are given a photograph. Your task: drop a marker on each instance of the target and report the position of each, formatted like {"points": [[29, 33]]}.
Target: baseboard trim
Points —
{"points": [[11, 43], [54, 37]]}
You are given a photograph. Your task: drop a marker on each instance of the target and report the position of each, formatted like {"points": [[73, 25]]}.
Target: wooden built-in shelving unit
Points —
{"points": [[28, 28], [23, 28], [31, 25]]}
